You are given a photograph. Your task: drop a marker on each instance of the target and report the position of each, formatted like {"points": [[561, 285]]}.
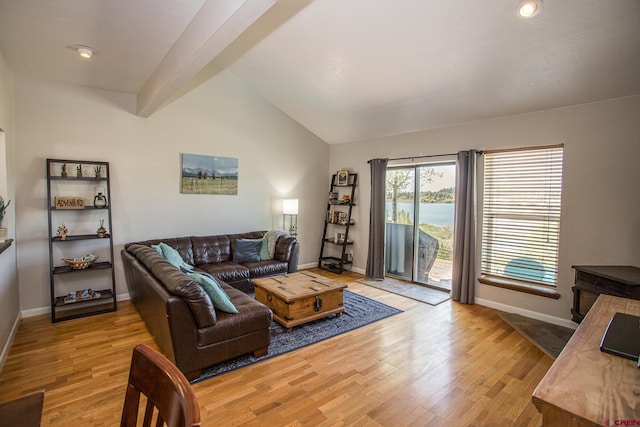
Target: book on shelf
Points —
{"points": [[337, 217], [82, 295]]}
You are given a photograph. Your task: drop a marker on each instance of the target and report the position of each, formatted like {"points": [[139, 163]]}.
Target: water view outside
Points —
{"points": [[431, 262], [430, 213]]}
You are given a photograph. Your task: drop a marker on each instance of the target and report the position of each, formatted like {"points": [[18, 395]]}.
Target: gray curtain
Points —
{"points": [[375, 256], [465, 217]]}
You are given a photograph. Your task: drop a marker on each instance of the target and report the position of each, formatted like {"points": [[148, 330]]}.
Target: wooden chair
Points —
{"points": [[169, 396]]}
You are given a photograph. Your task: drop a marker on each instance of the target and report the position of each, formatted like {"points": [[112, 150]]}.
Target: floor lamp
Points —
{"points": [[290, 209]]}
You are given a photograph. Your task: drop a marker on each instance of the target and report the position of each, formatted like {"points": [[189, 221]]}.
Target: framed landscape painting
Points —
{"points": [[209, 175]]}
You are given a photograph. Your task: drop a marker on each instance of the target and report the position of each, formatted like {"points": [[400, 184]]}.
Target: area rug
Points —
{"points": [[548, 337], [359, 311], [408, 289]]}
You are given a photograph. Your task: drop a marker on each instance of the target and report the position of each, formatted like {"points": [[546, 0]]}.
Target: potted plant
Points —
{"points": [[98, 170], [79, 171], [102, 231], [63, 170], [3, 210]]}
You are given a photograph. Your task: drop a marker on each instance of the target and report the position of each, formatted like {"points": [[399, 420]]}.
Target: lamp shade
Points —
{"points": [[290, 206]]}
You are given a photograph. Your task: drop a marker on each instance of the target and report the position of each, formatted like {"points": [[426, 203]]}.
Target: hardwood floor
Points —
{"points": [[448, 365]]}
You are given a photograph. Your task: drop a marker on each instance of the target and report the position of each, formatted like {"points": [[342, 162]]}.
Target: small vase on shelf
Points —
{"points": [[102, 231], [99, 201], [62, 232]]}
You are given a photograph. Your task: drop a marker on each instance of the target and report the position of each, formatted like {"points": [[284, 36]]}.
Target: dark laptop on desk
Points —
{"points": [[622, 337]]}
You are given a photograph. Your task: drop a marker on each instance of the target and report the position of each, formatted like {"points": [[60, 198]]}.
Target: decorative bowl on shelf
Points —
{"points": [[81, 263]]}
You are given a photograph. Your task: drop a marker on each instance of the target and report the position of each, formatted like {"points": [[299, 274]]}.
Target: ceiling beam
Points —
{"points": [[216, 25]]}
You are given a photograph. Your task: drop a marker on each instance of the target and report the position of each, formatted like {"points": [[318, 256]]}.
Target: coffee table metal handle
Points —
{"points": [[318, 304]]}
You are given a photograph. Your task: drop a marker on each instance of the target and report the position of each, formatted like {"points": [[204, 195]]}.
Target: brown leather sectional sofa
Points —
{"points": [[179, 314]]}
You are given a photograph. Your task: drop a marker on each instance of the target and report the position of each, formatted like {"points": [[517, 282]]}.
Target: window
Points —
{"points": [[521, 215]]}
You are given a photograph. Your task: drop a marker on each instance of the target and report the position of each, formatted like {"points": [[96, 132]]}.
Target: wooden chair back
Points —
{"points": [[170, 400]]}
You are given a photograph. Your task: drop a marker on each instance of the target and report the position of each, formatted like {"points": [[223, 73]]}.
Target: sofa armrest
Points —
{"points": [[150, 299], [288, 250], [176, 283]]}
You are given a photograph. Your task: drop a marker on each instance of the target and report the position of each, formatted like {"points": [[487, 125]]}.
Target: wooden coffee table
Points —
{"points": [[300, 297]]}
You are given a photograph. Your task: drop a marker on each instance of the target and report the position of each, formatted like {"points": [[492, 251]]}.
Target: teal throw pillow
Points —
{"points": [[173, 256], [158, 249], [247, 250], [264, 250], [218, 296]]}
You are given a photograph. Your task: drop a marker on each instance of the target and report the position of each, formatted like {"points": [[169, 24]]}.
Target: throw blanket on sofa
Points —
{"points": [[272, 237]]}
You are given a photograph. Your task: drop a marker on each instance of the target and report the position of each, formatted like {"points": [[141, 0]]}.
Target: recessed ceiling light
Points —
{"points": [[85, 51], [529, 8]]}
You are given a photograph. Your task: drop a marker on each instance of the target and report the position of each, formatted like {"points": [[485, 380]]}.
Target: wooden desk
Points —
{"points": [[25, 411], [586, 387]]}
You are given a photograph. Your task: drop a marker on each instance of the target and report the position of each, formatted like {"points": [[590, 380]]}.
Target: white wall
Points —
{"points": [[221, 117], [279, 158], [600, 221], [9, 292]]}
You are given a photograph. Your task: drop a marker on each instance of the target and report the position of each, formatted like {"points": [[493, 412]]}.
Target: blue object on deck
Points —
{"points": [[526, 269]]}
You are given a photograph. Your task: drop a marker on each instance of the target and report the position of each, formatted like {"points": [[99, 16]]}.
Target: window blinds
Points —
{"points": [[521, 214]]}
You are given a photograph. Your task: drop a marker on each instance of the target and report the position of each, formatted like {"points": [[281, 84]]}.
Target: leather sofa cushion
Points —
{"points": [[214, 249], [181, 244], [252, 316], [228, 271], [177, 283], [266, 268], [211, 249], [250, 235]]}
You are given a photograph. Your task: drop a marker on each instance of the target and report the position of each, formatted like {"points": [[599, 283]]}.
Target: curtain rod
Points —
{"points": [[421, 157]]}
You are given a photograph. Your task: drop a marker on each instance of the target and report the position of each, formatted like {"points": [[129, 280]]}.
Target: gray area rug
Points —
{"points": [[359, 311], [408, 289], [548, 337]]}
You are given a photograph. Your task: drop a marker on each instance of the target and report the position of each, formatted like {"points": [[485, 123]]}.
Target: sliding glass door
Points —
{"points": [[419, 223]]}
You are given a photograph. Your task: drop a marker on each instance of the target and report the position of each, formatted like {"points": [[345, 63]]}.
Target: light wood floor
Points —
{"points": [[448, 365]]}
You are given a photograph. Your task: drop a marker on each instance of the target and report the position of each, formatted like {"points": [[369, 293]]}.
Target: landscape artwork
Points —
{"points": [[209, 175]]}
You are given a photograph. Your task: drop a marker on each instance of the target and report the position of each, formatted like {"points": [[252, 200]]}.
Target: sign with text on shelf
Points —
{"points": [[69, 203]]}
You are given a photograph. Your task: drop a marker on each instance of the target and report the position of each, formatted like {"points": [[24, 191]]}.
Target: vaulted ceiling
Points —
{"points": [[346, 70]]}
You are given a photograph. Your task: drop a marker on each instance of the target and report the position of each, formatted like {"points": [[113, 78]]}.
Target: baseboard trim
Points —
{"points": [[527, 313], [47, 310], [123, 297], [9, 343], [36, 311], [315, 265], [307, 266]]}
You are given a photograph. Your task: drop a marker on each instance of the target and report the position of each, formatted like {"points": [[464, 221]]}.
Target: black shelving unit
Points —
{"points": [[100, 272], [338, 221]]}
